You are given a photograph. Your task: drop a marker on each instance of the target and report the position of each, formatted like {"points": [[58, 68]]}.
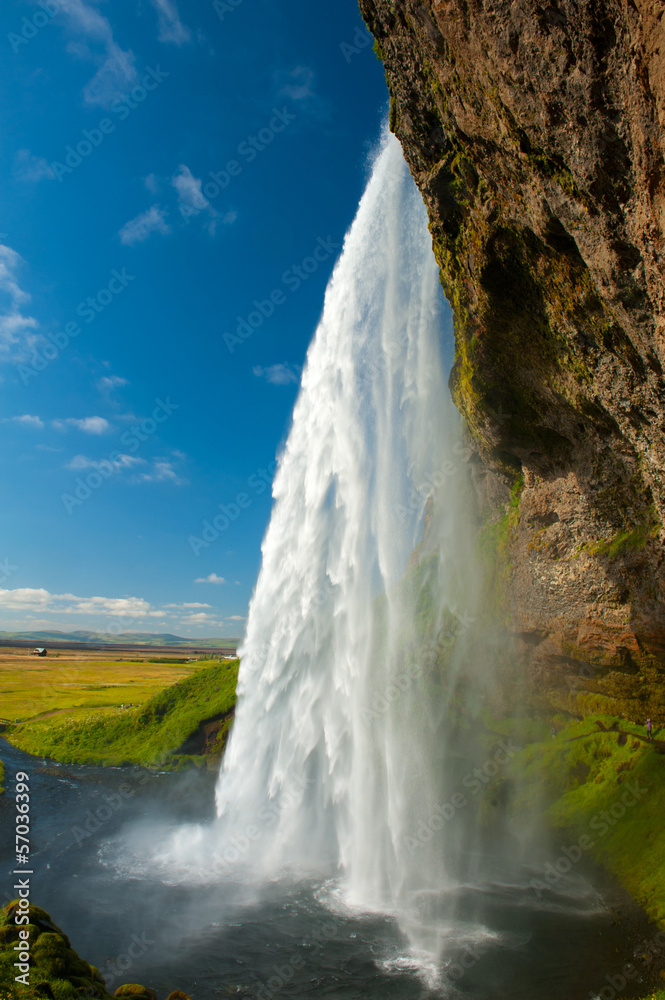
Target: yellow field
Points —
{"points": [[64, 681]]}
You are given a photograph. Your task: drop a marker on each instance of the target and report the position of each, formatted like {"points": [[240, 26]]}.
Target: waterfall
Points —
{"points": [[335, 759]]}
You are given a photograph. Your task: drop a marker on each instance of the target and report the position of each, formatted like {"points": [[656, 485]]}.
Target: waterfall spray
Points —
{"points": [[338, 735]]}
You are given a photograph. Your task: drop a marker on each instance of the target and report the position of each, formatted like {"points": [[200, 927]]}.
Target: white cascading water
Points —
{"points": [[333, 760]]}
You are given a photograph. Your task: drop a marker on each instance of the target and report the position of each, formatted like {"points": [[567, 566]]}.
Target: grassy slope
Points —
{"points": [[148, 734], [577, 781]]}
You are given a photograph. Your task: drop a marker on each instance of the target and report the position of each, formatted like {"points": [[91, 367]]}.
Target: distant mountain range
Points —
{"points": [[122, 638]]}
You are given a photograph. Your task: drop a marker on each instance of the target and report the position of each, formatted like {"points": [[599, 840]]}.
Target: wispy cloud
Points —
{"points": [[150, 183], [194, 604], [236, 618], [118, 463], [27, 420], [89, 425], [94, 41], [161, 472], [281, 374], [108, 383], [15, 327], [171, 28], [157, 471], [191, 200], [31, 168], [139, 229], [297, 84], [211, 578]]}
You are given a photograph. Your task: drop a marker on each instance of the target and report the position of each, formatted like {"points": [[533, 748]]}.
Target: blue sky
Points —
{"points": [[176, 185]]}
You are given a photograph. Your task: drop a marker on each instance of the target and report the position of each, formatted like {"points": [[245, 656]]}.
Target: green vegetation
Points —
{"points": [[55, 968], [493, 547], [150, 734], [600, 779], [31, 687]]}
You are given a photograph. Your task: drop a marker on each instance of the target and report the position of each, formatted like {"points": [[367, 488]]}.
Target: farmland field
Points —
{"points": [[73, 681]]}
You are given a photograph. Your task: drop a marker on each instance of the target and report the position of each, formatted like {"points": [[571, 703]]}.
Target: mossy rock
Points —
{"points": [[178, 995], [135, 990], [51, 945], [43, 989], [58, 970]]}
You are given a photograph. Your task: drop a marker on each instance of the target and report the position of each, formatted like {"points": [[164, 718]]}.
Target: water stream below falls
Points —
{"points": [[215, 937], [342, 853]]}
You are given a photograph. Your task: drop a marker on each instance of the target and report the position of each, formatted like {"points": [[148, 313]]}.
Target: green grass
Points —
{"points": [[577, 783], [148, 734], [30, 686]]}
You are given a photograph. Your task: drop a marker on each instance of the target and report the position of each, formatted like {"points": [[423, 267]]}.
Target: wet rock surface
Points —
{"points": [[535, 134]]}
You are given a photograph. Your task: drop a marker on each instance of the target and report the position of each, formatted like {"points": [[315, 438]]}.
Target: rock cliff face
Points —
{"points": [[535, 133]]}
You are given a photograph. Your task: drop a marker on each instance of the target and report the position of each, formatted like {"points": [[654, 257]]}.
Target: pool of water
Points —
{"points": [[101, 871]]}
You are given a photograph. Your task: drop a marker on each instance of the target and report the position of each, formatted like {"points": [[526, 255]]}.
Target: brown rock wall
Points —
{"points": [[535, 133]]}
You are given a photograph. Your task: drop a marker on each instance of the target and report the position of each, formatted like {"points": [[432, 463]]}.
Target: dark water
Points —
{"points": [[214, 939]]}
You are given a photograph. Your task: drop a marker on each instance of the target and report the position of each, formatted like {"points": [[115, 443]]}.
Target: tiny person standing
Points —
{"points": [[648, 729]]}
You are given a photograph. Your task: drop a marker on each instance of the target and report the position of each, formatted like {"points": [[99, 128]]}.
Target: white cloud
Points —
{"points": [[191, 199], [38, 599], [211, 578], [89, 425], [281, 374], [31, 168], [162, 471], [236, 618], [195, 619], [194, 604], [171, 28], [116, 73], [118, 464], [15, 327], [297, 84], [27, 420], [139, 229], [110, 382], [150, 183], [189, 189]]}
